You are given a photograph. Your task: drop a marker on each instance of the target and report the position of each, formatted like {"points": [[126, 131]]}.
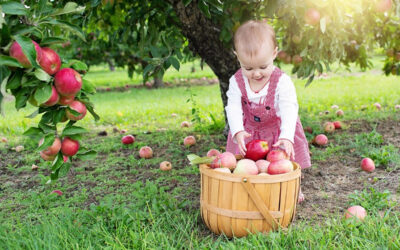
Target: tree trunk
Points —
{"points": [[204, 40], [158, 82]]}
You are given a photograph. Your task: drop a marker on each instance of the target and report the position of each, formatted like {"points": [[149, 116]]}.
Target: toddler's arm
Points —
{"points": [[234, 111]]}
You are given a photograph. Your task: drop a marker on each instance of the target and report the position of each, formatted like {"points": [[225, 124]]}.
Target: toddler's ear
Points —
{"points": [[275, 52]]}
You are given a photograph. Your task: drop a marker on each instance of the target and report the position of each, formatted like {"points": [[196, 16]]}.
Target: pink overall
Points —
{"points": [[262, 122]]}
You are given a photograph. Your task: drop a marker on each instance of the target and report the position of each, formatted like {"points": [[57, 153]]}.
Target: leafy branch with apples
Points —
{"points": [[31, 71]]}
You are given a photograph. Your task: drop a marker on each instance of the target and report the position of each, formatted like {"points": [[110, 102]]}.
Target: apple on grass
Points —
{"points": [[213, 152], [128, 139], [224, 160], [165, 166], [256, 149], [357, 212], [367, 164], [146, 152], [189, 141], [320, 140], [329, 127], [280, 167], [338, 124], [246, 166]]}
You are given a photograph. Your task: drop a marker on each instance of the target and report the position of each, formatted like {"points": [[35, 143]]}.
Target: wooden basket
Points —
{"points": [[238, 204]]}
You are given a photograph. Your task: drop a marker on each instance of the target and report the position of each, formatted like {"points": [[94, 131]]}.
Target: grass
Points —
{"points": [[119, 201]]}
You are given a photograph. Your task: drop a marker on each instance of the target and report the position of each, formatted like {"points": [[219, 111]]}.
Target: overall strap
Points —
{"points": [[242, 86], [273, 83]]}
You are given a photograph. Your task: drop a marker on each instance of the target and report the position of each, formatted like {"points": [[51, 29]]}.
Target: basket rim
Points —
{"points": [[296, 173]]}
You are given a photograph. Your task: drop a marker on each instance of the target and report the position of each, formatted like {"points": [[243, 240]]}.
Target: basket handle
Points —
{"points": [[260, 203]]}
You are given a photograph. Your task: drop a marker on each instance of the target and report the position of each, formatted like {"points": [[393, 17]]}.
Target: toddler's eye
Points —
{"points": [[248, 69], [263, 67]]}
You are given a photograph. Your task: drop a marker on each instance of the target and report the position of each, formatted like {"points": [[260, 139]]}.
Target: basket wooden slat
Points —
{"points": [[235, 207]]}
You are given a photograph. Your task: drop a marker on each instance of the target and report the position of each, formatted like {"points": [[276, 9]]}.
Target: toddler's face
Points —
{"points": [[259, 67]]}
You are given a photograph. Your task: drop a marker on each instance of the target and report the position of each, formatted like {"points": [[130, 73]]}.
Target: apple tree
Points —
{"points": [[31, 71], [311, 34]]}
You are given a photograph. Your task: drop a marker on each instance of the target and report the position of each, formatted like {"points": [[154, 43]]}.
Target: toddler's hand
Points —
{"points": [[287, 146], [240, 137]]}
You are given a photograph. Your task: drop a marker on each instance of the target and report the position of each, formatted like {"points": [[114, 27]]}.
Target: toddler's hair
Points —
{"points": [[250, 36]]}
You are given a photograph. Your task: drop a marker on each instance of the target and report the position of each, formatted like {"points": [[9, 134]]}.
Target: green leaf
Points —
{"points": [[71, 27], [21, 98], [28, 48], [9, 61], [64, 169], [58, 115], [90, 109], [43, 94], [58, 162], [4, 74], [195, 159], [15, 80], [203, 6], [47, 128], [77, 65], [47, 142], [88, 155], [186, 2], [70, 7], [310, 79], [73, 130], [174, 62], [88, 87], [33, 114], [148, 69], [42, 75], [14, 8], [52, 40], [32, 131]]}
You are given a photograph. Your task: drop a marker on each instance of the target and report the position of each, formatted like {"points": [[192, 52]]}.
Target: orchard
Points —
{"points": [[113, 128]]}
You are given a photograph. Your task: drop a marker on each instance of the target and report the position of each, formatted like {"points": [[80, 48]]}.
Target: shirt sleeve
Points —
{"points": [[234, 111], [288, 107]]}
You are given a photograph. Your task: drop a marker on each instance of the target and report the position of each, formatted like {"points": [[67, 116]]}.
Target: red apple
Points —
{"points": [[213, 152], [224, 160], [79, 107], [356, 212], [377, 106], [53, 98], [146, 152], [165, 166], [128, 139], [337, 124], [367, 165], [53, 149], [189, 141], [256, 150], [69, 147], [339, 112], [17, 53], [262, 166], [65, 100], [246, 166], [47, 157], [280, 167], [50, 61], [276, 155], [65, 158], [58, 192], [312, 16], [281, 55], [297, 59], [329, 127], [383, 5], [320, 140], [185, 124], [68, 82], [308, 129]]}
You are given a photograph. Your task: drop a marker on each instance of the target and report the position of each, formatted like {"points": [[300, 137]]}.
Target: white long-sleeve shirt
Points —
{"points": [[286, 105]]}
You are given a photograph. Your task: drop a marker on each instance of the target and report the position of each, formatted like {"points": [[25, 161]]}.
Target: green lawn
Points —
{"points": [[119, 201]]}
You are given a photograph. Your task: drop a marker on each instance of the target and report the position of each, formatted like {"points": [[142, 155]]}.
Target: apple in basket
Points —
{"points": [[262, 166], [224, 160], [256, 150], [280, 167], [246, 166], [276, 155]]}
